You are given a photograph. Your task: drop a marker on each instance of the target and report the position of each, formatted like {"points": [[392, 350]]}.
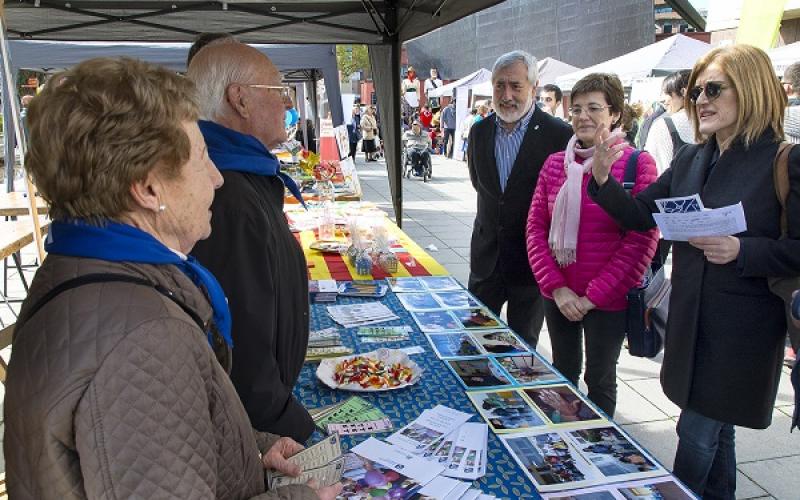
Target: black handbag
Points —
{"points": [[648, 303]]}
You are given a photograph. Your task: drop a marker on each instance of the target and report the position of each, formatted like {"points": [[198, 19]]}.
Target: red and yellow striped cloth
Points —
{"points": [[413, 262]]}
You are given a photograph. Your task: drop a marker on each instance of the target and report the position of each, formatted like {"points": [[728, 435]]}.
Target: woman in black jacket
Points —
{"points": [[726, 330]]}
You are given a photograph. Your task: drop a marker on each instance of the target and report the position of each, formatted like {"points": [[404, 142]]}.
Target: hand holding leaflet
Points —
{"points": [[681, 226]]}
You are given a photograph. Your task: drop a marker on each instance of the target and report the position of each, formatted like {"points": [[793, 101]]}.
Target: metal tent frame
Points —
{"points": [[382, 24]]}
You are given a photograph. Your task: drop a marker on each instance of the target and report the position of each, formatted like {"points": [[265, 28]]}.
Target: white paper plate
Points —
{"points": [[326, 369]]}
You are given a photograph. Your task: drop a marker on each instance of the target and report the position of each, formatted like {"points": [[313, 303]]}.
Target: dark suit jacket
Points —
{"points": [[498, 236], [726, 330], [263, 271]]}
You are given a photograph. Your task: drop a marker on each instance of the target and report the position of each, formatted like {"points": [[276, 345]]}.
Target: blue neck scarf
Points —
{"points": [[118, 242], [232, 150]]}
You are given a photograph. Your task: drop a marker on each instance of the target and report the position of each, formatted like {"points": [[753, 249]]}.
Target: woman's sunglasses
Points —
{"points": [[711, 89]]}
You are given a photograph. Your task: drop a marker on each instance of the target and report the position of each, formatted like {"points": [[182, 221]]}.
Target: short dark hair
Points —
{"points": [[792, 76], [606, 83], [554, 88], [675, 83], [202, 40]]}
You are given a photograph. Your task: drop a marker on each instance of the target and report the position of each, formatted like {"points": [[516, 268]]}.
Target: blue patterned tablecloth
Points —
{"points": [[438, 385]]}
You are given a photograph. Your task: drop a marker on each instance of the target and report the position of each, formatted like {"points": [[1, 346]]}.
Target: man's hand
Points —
{"points": [[328, 492], [568, 303], [718, 249], [275, 457]]}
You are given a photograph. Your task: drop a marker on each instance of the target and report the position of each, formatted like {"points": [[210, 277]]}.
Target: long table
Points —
{"points": [[16, 203], [438, 385]]}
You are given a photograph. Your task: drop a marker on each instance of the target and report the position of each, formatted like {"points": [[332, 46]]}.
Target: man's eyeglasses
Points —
{"points": [[592, 110], [283, 89], [711, 89]]}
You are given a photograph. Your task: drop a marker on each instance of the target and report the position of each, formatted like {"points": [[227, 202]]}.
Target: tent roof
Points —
{"points": [[472, 79], [47, 54], [661, 58], [251, 21], [783, 56]]}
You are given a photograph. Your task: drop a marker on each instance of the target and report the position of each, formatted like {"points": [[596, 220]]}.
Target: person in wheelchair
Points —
{"points": [[417, 146]]}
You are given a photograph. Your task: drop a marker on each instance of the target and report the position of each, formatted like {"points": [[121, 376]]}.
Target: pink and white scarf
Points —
{"points": [[563, 238]]}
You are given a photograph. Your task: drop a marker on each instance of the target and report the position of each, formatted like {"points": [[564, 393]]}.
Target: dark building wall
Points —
{"points": [[578, 32]]}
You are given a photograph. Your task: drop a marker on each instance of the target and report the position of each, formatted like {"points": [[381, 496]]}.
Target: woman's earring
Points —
{"points": [[162, 208]]}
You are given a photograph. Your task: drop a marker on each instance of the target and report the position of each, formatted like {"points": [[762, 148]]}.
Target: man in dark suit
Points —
{"points": [[505, 154]]}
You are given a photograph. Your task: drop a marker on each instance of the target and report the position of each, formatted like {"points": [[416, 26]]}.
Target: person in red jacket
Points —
{"points": [[583, 261], [426, 117]]}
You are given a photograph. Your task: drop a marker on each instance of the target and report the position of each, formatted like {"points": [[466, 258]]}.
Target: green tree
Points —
{"points": [[352, 58]]}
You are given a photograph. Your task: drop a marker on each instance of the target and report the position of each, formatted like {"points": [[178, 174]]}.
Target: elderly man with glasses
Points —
{"points": [[251, 250]]}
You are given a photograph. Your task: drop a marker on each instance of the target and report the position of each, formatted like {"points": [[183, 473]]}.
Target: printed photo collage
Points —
{"points": [[560, 439]]}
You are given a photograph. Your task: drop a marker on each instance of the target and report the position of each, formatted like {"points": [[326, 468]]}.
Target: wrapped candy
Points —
{"points": [[388, 261], [363, 263]]}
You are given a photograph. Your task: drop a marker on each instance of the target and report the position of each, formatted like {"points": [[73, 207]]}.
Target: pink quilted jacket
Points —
{"points": [[609, 261]]}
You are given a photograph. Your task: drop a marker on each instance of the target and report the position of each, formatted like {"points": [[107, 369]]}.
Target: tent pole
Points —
{"points": [[8, 140], [394, 114], [8, 84], [300, 95]]}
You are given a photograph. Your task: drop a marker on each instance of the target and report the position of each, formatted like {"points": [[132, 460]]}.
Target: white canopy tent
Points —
{"points": [[471, 80], [784, 56], [658, 59]]}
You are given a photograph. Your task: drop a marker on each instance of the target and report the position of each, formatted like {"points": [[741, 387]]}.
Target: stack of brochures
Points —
{"points": [[322, 290], [352, 416], [371, 289], [352, 315], [325, 343]]}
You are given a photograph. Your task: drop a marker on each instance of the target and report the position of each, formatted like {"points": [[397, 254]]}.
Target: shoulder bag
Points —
{"points": [[648, 302]]}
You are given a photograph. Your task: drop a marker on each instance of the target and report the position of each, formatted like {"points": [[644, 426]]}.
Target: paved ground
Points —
{"points": [[440, 213]]}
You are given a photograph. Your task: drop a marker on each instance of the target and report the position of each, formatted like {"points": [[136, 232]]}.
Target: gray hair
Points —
{"points": [[514, 57], [212, 75]]}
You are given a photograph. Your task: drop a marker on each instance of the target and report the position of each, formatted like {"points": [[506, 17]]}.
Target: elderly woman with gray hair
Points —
{"points": [[115, 388]]}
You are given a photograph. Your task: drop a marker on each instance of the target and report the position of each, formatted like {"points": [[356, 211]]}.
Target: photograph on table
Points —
{"points": [[476, 318], [506, 410], [612, 452], [440, 283], [418, 301], [591, 456], [406, 285], [436, 321], [453, 345], [500, 342], [478, 373], [364, 479], [659, 488], [560, 404], [528, 369], [662, 488], [456, 299]]}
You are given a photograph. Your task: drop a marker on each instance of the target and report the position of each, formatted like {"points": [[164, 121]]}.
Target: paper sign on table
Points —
{"points": [[429, 427]]}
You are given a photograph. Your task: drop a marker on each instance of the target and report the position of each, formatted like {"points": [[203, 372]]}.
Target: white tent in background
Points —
{"points": [[658, 59], [783, 56], [472, 79], [549, 70]]}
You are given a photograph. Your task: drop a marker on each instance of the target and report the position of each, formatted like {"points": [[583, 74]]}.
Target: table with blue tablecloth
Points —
{"points": [[438, 385]]}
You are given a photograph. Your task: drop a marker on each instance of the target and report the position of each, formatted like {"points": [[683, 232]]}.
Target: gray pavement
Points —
{"points": [[441, 212]]}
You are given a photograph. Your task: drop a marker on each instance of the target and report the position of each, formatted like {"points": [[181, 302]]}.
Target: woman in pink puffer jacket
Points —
{"points": [[583, 261]]}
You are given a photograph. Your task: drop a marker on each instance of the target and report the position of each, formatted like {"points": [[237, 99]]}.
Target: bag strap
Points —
{"points": [[630, 171], [677, 142], [780, 175], [88, 279]]}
